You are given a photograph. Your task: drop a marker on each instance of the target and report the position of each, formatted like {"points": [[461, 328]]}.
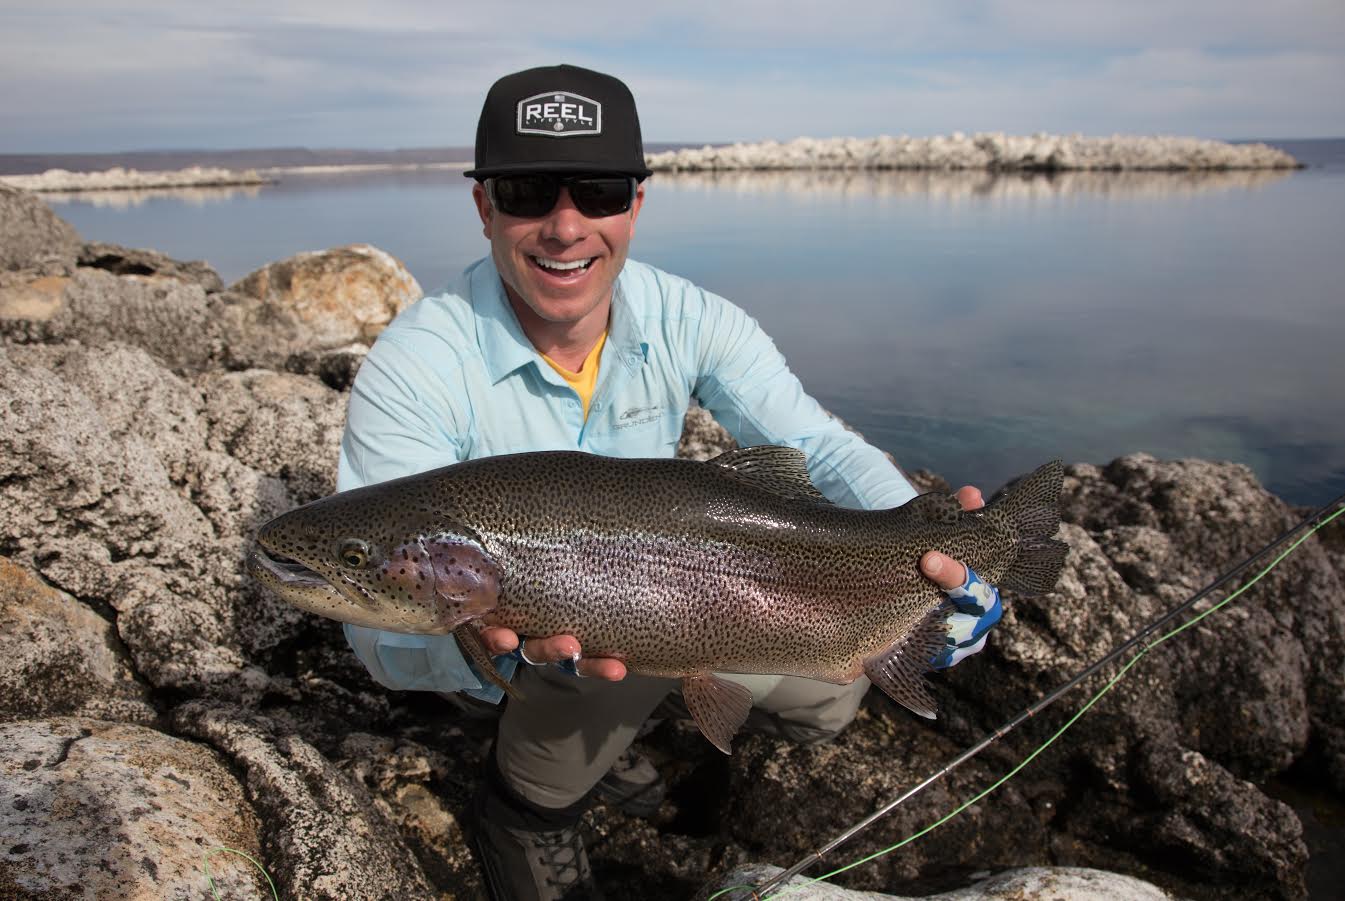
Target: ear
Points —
{"points": [[635, 206], [483, 207]]}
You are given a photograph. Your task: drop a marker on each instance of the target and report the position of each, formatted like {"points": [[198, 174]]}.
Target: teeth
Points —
{"points": [[561, 265]]}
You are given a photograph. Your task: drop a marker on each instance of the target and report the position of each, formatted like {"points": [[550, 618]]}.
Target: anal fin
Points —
{"points": [[900, 670], [718, 706], [469, 639]]}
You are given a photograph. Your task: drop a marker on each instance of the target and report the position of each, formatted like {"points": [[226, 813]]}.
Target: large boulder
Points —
{"points": [[95, 809], [58, 656], [109, 492], [341, 295], [33, 237], [1054, 883], [322, 828]]}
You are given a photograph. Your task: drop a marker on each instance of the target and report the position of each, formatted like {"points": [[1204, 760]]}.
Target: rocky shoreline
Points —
{"points": [[989, 151], [154, 704]]}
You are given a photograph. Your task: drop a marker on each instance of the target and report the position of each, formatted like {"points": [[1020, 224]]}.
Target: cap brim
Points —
{"points": [[554, 166]]}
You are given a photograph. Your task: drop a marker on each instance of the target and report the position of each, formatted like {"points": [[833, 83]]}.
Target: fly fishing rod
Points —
{"points": [[1312, 522]]}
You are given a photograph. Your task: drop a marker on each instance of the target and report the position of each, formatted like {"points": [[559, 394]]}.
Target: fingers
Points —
{"points": [[608, 668], [551, 650], [943, 570], [969, 496], [557, 648], [499, 640]]}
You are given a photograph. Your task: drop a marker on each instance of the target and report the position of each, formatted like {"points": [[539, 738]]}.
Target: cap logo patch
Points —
{"points": [[559, 114]]}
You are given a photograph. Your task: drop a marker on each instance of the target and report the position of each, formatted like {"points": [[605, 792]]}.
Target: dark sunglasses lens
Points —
{"points": [[527, 196], [599, 196]]}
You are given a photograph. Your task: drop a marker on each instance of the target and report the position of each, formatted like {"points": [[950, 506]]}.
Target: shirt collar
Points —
{"points": [[505, 347]]}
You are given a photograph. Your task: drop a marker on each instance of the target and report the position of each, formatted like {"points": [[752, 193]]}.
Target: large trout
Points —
{"points": [[679, 568]]}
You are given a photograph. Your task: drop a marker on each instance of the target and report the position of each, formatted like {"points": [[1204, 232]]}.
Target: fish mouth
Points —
{"points": [[284, 570]]}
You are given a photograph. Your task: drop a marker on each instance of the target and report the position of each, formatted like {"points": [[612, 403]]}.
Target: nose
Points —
{"points": [[564, 224]]}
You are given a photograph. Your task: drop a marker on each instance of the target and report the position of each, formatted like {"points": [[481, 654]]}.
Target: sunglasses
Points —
{"points": [[535, 194]]}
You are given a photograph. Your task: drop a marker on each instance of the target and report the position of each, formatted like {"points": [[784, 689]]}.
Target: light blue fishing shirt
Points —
{"points": [[455, 378]]}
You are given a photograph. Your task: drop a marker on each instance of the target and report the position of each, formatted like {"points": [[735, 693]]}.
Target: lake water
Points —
{"points": [[971, 324]]}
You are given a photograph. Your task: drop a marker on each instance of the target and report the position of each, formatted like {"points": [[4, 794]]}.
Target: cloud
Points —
{"points": [[99, 76]]}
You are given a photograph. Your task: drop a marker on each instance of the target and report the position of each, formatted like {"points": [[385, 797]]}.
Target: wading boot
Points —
{"points": [[633, 786], [528, 853]]}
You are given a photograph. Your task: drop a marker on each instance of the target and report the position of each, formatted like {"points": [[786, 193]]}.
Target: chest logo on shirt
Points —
{"points": [[559, 114], [637, 416]]}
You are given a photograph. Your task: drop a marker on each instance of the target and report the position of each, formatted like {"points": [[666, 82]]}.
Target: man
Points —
{"points": [[557, 341]]}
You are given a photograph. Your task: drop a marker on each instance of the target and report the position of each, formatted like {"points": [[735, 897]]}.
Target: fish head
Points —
{"points": [[363, 558]]}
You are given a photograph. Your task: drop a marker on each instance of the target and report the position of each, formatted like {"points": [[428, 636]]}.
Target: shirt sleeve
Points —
{"points": [[744, 382], [402, 419]]}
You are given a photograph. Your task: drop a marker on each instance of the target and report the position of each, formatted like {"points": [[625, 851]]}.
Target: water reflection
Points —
{"points": [[129, 198], [952, 186]]}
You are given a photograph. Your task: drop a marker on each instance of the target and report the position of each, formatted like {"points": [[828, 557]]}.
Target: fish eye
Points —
{"points": [[353, 553]]}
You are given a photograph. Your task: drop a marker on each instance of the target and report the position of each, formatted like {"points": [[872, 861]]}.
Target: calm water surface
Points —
{"points": [[970, 324]]}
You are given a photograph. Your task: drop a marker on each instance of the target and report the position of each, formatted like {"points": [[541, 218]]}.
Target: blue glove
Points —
{"points": [[978, 608]]}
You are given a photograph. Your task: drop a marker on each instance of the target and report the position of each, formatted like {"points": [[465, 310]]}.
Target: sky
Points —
{"points": [[109, 76]]}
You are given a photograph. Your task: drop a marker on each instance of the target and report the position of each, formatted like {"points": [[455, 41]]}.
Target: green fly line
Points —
{"points": [[205, 868], [999, 733]]}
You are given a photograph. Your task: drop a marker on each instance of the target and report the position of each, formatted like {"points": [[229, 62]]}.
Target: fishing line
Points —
{"points": [[205, 868], [759, 894]]}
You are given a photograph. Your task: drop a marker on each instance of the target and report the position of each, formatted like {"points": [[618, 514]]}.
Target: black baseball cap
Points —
{"points": [[558, 119]]}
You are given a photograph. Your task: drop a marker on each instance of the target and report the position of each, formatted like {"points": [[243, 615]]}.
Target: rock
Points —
{"points": [[286, 426], [127, 261], [423, 791], [118, 178], [702, 437], [322, 830], [342, 295], [57, 656], [1054, 883], [166, 317], [108, 810], [33, 237], [336, 368], [1210, 815], [101, 454]]}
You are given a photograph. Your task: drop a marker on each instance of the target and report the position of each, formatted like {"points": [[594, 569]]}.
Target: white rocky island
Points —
{"points": [[991, 151], [119, 179]]}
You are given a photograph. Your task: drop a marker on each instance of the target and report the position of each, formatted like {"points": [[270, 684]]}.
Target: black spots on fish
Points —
{"points": [[1032, 502], [936, 508]]}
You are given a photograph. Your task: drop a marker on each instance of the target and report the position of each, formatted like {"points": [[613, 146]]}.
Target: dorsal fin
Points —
{"points": [[779, 470]]}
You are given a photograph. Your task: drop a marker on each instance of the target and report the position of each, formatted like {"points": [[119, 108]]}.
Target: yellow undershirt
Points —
{"points": [[586, 378]]}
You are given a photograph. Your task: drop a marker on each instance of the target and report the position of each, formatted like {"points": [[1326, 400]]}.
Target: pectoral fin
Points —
{"points": [[470, 641], [717, 705], [900, 670]]}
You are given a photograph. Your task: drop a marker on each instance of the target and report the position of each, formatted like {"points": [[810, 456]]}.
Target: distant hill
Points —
{"points": [[261, 158]]}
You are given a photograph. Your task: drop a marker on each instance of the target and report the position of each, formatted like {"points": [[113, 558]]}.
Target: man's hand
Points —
{"points": [[556, 649], [977, 605], [941, 569]]}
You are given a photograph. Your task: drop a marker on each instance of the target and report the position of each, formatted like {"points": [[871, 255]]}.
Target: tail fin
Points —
{"points": [[1032, 505]]}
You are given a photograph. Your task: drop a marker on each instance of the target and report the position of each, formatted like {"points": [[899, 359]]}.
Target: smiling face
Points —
{"points": [[558, 269]]}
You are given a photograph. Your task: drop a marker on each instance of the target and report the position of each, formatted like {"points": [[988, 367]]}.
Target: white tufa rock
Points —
{"points": [[981, 151], [117, 178]]}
